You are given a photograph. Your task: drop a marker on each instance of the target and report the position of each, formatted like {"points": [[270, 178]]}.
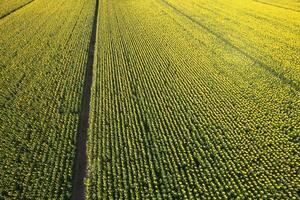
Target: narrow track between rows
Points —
{"points": [[16, 9], [80, 163]]}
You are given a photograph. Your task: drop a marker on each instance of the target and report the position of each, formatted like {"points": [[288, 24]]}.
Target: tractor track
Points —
{"points": [[277, 6], [80, 163], [295, 84], [16, 9]]}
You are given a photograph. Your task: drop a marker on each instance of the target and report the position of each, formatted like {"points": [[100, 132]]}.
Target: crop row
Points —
{"points": [[43, 55], [268, 38], [8, 6], [179, 113]]}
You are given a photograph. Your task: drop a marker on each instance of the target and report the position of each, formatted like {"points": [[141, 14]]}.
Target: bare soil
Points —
{"points": [[80, 163]]}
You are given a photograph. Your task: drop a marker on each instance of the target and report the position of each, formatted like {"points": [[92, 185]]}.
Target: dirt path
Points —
{"points": [[14, 10], [80, 163]]}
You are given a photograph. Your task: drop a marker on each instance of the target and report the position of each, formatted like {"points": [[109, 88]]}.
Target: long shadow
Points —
{"points": [[80, 163], [14, 10], [295, 84]]}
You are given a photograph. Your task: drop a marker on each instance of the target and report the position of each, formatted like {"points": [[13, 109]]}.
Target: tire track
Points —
{"points": [[16, 9], [80, 163], [277, 6], [295, 84]]}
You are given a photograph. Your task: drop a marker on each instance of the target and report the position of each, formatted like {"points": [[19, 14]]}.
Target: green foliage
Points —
{"points": [[180, 110], [42, 60]]}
